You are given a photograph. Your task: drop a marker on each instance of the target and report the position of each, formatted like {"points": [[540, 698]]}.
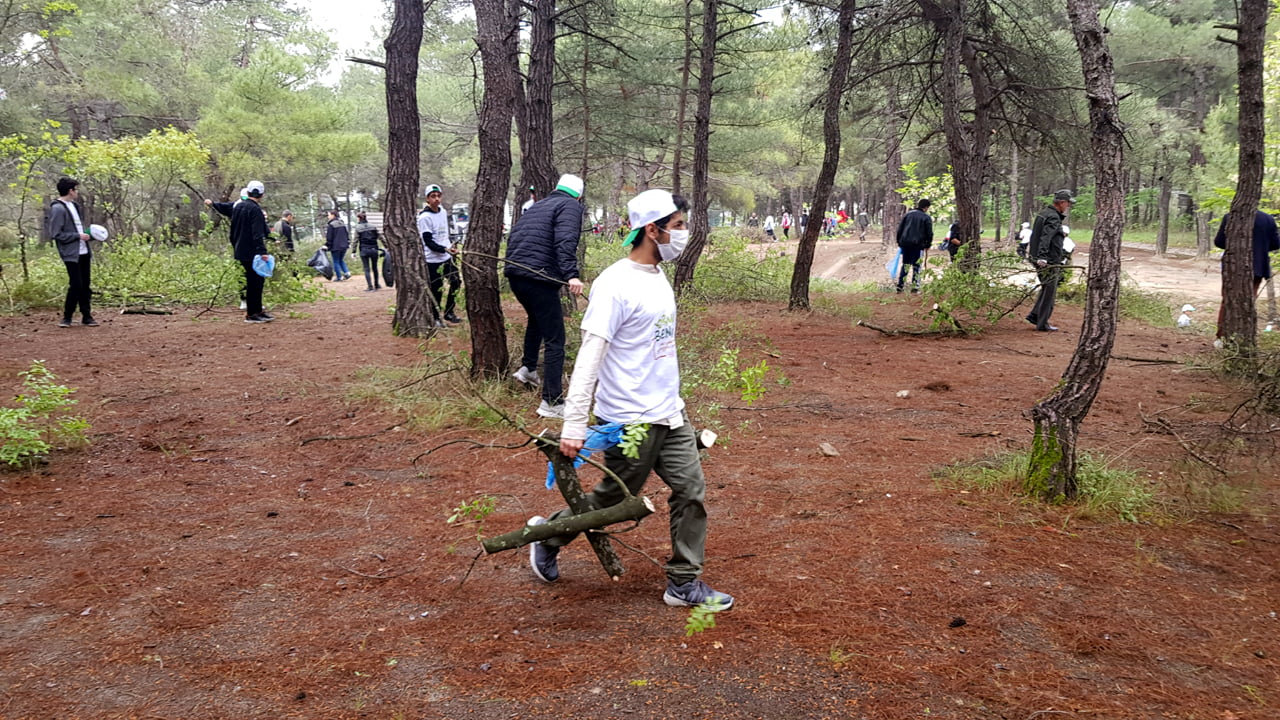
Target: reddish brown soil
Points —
{"points": [[198, 561]]}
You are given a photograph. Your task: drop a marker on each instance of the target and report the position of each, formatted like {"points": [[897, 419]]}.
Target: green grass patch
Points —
{"points": [[1106, 492]]}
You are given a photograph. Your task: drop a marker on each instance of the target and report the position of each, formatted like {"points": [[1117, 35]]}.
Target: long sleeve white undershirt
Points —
{"points": [[582, 385]]}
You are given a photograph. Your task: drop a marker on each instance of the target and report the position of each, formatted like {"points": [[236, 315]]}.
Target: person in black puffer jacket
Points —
{"points": [[542, 256], [367, 236]]}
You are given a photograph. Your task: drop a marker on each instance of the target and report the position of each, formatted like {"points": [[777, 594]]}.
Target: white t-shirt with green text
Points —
{"points": [[633, 307]]}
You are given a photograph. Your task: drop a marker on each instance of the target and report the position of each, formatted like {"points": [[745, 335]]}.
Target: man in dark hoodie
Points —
{"points": [[542, 257], [66, 229]]}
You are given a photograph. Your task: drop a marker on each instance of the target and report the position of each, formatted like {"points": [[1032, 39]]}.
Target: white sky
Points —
{"points": [[352, 24]]}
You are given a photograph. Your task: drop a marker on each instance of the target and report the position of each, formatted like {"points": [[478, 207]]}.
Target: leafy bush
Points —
{"points": [[970, 301], [29, 430], [732, 269]]}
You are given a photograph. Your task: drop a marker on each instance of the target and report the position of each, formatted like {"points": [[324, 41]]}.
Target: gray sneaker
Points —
{"points": [[526, 376], [547, 410], [542, 558], [696, 592]]}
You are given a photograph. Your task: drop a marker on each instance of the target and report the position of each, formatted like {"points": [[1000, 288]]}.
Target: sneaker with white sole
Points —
{"points": [[696, 593], [548, 410], [542, 558], [526, 376]]}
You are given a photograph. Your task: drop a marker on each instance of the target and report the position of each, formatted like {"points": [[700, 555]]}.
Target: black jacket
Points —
{"points": [[248, 228], [915, 232], [367, 235], [544, 243], [336, 237], [1047, 237]]}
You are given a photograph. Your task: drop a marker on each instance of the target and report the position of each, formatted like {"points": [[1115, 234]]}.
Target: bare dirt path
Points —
{"points": [[203, 559]]}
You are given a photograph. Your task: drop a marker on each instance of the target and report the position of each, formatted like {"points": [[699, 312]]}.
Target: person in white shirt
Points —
{"points": [[769, 223], [1024, 239], [433, 228], [628, 358]]}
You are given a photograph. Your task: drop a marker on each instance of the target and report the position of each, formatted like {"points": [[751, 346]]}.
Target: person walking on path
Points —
{"points": [[367, 237], [542, 257], [915, 235], [628, 361], [1045, 251], [337, 240], [65, 227], [1024, 239], [769, 224], [433, 226], [1266, 240], [786, 225]]}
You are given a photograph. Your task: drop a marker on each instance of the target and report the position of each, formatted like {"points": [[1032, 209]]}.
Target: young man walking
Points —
{"points": [[66, 229], [249, 240], [628, 360], [542, 257], [433, 226]]}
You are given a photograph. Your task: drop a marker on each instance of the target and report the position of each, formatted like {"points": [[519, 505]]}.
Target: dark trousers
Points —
{"points": [[370, 264], [910, 259], [437, 274], [1043, 309], [253, 284], [78, 275], [541, 300], [673, 455]]}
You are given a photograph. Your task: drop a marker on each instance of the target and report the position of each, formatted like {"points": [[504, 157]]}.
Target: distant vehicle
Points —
{"points": [[459, 220]]}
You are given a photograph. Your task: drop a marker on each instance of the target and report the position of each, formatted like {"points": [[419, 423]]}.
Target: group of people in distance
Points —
{"points": [[1045, 250]]}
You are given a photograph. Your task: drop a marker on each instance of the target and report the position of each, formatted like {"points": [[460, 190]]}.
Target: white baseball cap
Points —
{"points": [[571, 184], [649, 206], [432, 188], [255, 188]]}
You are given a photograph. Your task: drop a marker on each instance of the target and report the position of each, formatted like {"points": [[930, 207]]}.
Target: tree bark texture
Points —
{"points": [[496, 26], [534, 125], [1162, 212], [893, 177], [632, 509], [1015, 213], [1240, 320], [830, 158], [682, 100], [700, 222], [571, 489], [1052, 471], [968, 142], [413, 316]]}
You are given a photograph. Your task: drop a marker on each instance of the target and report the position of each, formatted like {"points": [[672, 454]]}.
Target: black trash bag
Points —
{"points": [[320, 261], [388, 269]]}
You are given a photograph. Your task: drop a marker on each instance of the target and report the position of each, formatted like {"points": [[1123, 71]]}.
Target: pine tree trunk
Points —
{"points": [[496, 25], [1015, 212], [893, 176], [1052, 471], [1162, 214], [830, 158], [534, 125], [413, 315], [699, 223], [1240, 321], [682, 101]]}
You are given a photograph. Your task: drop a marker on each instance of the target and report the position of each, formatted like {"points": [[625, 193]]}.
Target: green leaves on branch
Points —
{"points": [[29, 430]]}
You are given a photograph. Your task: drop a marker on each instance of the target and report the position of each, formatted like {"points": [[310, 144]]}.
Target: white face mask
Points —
{"points": [[672, 250]]}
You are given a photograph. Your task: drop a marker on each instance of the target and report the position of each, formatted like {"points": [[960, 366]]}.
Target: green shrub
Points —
{"points": [[29, 430], [1105, 491], [971, 301], [731, 269]]}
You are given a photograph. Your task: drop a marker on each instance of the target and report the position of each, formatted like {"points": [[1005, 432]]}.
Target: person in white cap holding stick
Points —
{"points": [[628, 359], [542, 257]]}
